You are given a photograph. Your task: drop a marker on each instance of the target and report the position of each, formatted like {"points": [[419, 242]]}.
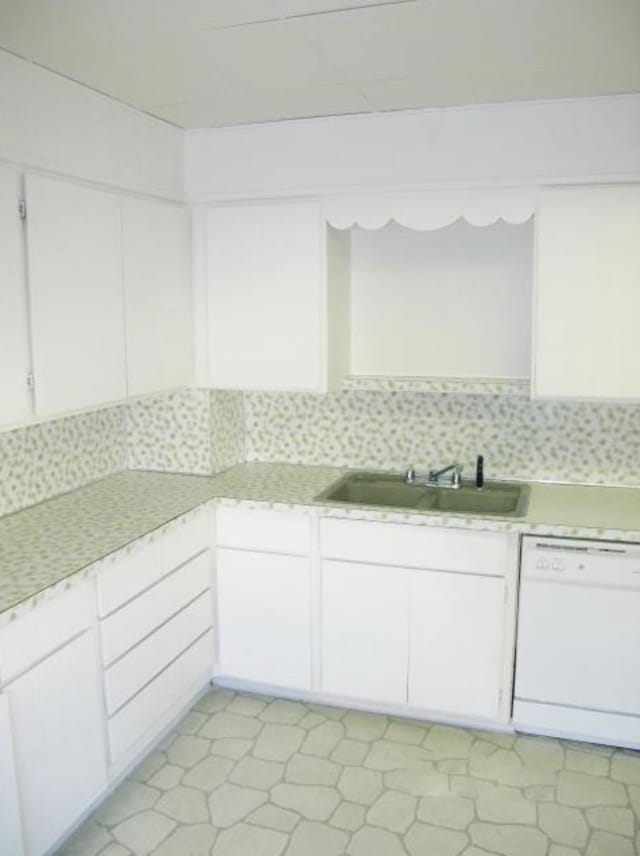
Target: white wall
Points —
{"points": [[51, 123], [520, 143]]}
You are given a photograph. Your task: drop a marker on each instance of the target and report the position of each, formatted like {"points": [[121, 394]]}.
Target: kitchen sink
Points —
{"points": [[507, 499]]}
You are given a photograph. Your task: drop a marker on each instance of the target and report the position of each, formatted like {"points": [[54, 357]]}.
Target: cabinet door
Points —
{"points": [[264, 617], [56, 716], [10, 828], [364, 631], [14, 340], [157, 290], [455, 643], [77, 308], [587, 299], [266, 296]]}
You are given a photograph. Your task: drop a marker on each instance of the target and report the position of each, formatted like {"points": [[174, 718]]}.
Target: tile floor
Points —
{"points": [[246, 775]]}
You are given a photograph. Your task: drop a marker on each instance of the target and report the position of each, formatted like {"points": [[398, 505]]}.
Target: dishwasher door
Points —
{"points": [[578, 648]]}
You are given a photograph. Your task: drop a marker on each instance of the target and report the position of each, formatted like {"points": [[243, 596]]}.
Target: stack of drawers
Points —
{"points": [[155, 609]]}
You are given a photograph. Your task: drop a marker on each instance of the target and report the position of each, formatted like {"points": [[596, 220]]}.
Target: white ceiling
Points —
{"points": [[208, 63]]}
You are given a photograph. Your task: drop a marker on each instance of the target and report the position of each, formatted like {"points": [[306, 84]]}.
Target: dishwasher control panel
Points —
{"points": [[606, 563]]}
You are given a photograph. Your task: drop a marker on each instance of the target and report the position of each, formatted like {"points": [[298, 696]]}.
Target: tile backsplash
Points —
{"points": [[48, 458], [554, 441], [201, 431]]}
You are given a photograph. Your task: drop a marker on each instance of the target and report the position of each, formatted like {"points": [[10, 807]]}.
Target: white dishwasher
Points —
{"points": [[578, 649]]}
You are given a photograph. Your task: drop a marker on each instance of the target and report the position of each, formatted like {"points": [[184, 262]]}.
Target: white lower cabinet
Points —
{"points": [[364, 631], [10, 822], [58, 741], [263, 586], [264, 617], [433, 632], [456, 642]]}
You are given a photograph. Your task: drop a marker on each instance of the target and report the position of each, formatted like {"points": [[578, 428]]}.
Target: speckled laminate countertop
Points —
{"points": [[55, 540]]}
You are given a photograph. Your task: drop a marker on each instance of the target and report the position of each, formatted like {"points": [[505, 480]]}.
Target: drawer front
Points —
{"points": [[128, 574], [141, 616], [140, 717], [186, 538], [37, 634], [140, 665], [269, 531], [410, 546]]}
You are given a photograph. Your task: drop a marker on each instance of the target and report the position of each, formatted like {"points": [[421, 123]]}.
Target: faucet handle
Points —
{"points": [[456, 477], [410, 474]]}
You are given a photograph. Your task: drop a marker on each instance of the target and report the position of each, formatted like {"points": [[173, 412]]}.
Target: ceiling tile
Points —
{"points": [[232, 104]]}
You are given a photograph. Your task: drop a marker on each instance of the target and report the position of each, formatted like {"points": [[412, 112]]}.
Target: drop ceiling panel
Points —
{"points": [[257, 60]]}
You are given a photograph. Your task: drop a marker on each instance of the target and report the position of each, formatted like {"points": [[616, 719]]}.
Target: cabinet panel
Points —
{"points": [[455, 640], [272, 531], [364, 631], [267, 296], [587, 298], [75, 276], [127, 573], [157, 289], [10, 823], [56, 717], [264, 615], [124, 628], [14, 339]]}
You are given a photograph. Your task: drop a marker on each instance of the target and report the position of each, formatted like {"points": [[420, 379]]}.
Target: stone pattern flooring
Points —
{"points": [[246, 775]]}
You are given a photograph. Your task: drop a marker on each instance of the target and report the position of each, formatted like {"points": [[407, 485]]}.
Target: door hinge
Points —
{"points": [[22, 209], [30, 381]]}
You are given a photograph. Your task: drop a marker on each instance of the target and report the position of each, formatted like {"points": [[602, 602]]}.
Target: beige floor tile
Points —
{"points": [[246, 705], [370, 841], [393, 811], [233, 725], [364, 726], [143, 832], [245, 840], [209, 773], [509, 840], [284, 712], [274, 818], [230, 804], [360, 786], [349, 752], [323, 739], [582, 791], [195, 840], [231, 747], [314, 802], [505, 805], [422, 839], [619, 820], [626, 768], [186, 750], [348, 816], [316, 839], [256, 773], [167, 777], [449, 811], [186, 805], [607, 844], [278, 742], [308, 770], [129, 799], [89, 840], [563, 825]]}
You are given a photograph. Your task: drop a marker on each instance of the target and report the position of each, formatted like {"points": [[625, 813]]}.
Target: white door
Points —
{"points": [[157, 290], [587, 296], [14, 339], [266, 296], [10, 828], [75, 281], [364, 631], [455, 642], [264, 619], [56, 717]]}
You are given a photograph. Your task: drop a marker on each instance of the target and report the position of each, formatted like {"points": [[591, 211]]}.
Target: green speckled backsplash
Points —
{"points": [[557, 441], [49, 458]]}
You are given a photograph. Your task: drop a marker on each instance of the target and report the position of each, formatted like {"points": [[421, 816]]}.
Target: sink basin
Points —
{"points": [[506, 499]]}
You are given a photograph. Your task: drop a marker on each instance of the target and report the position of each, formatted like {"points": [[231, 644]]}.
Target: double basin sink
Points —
{"points": [[505, 499]]}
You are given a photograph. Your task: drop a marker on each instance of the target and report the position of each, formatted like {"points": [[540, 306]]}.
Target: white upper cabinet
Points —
{"points": [[75, 280], [157, 289], [14, 339], [277, 297], [587, 299]]}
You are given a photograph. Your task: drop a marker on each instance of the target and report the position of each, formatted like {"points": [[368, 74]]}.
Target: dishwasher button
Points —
{"points": [[557, 566], [542, 564]]}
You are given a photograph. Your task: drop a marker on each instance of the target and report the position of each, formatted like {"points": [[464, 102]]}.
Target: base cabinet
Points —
{"points": [[10, 821], [364, 631], [455, 642], [58, 742]]}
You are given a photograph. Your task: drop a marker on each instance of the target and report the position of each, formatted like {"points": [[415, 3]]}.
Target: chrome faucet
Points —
{"points": [[433, 479]]}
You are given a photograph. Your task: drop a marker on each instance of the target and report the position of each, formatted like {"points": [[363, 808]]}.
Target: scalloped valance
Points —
{"points": [[427, 210]]}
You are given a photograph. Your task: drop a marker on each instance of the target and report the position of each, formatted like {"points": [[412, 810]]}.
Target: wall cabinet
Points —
{"points": [[587, 294], [74, 246], [55, 708], [157, 292], [14, 337], [277, 292], [264, 597], [416, 616]]}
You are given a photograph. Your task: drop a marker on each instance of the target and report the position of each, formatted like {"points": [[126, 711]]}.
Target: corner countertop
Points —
{"points": [[61, 539]]}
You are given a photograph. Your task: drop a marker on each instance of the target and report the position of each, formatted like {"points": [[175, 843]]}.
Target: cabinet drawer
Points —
{"points": [[37, 634], [141, 616], [126, 677], [128, 574], [140, 717], [270, 531], [186, 538], [415, 546]]}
